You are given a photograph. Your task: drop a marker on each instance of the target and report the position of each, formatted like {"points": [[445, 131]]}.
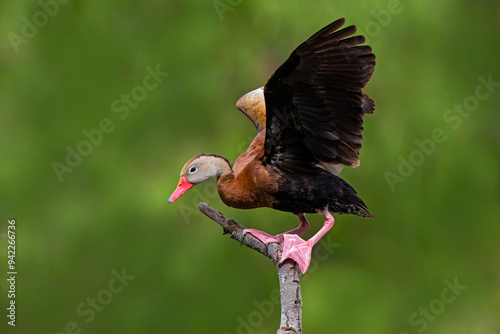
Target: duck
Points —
{"points": [[309, 122]]}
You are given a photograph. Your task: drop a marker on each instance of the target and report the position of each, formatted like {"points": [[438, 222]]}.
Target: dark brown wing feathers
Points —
{"points": [[314, 103]]}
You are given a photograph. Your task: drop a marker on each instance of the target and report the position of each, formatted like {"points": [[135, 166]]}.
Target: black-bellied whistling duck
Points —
{"points": [[309, 118]]}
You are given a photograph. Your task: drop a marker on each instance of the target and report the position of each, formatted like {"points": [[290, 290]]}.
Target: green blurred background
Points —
{"points": [[110, 212]]}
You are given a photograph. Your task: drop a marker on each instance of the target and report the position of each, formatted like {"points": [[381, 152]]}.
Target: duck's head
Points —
{"points": [[199, 169]]}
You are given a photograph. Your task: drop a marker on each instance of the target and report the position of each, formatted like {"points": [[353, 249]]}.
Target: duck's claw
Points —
{"points": [[263, 236], [295, 248]]}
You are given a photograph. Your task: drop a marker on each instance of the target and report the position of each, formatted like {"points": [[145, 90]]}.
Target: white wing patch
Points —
{"points": [[335, 169]]}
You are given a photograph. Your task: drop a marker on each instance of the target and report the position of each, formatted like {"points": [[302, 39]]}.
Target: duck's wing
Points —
{"points": [[314, 102], [253, 106]]}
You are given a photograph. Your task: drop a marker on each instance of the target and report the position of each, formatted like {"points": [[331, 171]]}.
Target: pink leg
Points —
{"points": [[303, 226], [267, 238], [297, 249]]}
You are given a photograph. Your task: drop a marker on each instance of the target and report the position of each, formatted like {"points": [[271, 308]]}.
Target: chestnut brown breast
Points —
{"points": [[251, 185]]}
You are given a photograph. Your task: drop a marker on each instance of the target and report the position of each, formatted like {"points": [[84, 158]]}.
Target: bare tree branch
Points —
{"points": [[235, 231], [288, 272]]}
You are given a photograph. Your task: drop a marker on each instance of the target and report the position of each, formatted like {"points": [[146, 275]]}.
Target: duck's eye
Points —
{"points": [[192, 170]]}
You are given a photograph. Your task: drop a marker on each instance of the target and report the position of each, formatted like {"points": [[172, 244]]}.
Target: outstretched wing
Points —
{"points": [[253, 106], [314, 102]]}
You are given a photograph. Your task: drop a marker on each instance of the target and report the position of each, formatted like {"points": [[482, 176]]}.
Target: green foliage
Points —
{"points": [[436, 219]]}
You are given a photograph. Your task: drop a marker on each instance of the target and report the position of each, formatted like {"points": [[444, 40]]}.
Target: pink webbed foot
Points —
{"points": [[295, 248], [263, 236], [299, 250], [267, 238]]}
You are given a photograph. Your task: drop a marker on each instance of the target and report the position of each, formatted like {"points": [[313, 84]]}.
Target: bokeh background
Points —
{"points": [[437, 214]]}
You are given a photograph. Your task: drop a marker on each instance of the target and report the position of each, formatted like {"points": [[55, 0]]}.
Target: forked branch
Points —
{"points": [[288, 272]]}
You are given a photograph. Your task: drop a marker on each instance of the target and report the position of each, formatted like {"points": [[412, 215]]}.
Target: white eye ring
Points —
{"points": [[192, 170]]}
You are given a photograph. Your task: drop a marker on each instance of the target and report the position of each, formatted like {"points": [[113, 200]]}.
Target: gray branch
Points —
{"points": [[288, 272]]}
